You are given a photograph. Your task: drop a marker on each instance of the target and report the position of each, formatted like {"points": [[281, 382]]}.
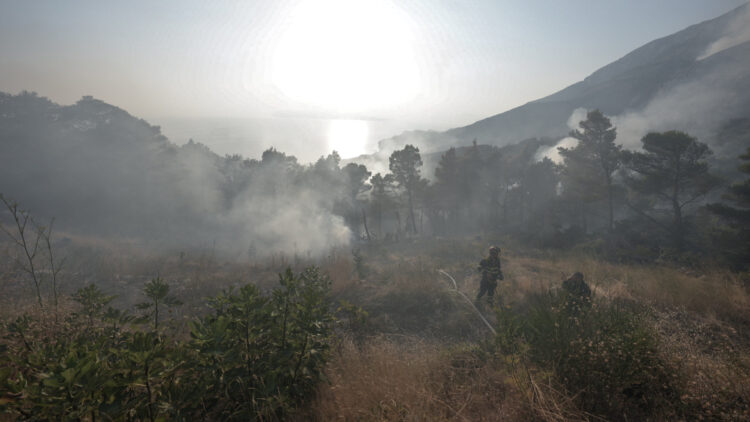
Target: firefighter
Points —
{"points": [[578, 293], [491, 272]]}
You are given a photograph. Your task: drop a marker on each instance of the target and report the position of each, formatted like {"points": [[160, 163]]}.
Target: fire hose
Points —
{"points": [[455, 288]]}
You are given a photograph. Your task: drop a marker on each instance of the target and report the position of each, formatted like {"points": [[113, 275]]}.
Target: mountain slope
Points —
{"points": [[641, 79]]}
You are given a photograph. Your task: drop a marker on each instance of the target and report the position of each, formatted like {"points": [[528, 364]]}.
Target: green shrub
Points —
{"points": [[254, 357], [261, 356], [84, 373], [157, 292], [603, 353]]}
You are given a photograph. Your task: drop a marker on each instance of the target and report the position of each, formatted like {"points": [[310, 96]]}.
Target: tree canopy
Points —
{"points": [[589, 166], [673, 169]]}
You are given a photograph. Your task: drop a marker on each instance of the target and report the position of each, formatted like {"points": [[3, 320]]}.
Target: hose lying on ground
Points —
{"points": [[455, 288]]}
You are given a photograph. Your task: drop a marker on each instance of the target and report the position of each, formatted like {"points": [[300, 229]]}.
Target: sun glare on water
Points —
{"points": [[346, 56]]}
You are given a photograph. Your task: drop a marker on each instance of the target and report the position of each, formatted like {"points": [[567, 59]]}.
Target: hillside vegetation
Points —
{"points": [[380, 334], [328, 292]]}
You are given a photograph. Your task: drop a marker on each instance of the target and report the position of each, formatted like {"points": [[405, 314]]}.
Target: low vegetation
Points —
{"points": [[252, 357], [394, 343], [387, 330]]}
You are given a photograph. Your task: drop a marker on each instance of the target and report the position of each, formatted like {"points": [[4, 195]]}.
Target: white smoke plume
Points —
{"points": [[286, 225], [697, 107], [738, 32], [103, 173], [552, 152]]}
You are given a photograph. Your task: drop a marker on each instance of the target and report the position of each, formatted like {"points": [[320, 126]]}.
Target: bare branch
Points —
{"points": [[22, 218], [46, 234]]}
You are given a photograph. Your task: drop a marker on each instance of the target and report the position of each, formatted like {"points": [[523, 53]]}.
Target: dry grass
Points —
{"points": [[703, 319], [340, 269], [715, 292], [411, 380], [718, 292], [707, 339], [715, 361], [711, 291]]}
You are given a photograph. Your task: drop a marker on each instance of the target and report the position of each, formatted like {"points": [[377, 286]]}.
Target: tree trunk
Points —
{"points": [[610, 201], [398, 227], [379, 219], [677, 214], [411, 214], [364, 222], [156, 315], [677, 224]]}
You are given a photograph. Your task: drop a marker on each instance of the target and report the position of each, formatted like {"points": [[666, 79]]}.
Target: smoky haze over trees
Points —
{"points": [[695, 80], [101, 171]]}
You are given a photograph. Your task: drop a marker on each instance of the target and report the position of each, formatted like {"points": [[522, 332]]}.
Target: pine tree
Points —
{"points": [[672, 168], [738, 216], [405, 164], [448, 187], [590, 165], [381, 197]]}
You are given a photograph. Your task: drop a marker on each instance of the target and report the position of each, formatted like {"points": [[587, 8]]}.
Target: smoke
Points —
{"points": [[576, 118], [552, 152], [707, 95], [738, 32], [711, 93], [263, 207], [699, 107], [696, 108], [285, 224], [100, 171]]}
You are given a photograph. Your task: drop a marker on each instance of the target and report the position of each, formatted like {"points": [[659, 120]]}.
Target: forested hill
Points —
{"points": [[696, 80], [99, 170], [89, 160]]}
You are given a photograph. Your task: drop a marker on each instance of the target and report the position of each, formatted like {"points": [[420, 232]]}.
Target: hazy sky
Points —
{"points": [[412, 63]]}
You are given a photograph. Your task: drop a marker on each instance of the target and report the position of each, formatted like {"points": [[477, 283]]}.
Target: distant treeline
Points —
{"points": [[99, 169]]}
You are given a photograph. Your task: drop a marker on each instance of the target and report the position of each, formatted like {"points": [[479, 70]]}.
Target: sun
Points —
{"points": [[346, 56]]}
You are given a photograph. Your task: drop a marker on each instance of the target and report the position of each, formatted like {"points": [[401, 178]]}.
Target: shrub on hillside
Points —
{"points": [[603, 353], [262, 356], [254, 357]]}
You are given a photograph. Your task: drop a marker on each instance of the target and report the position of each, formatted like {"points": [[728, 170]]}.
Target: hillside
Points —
{"points": [[96, 165], [695, 80], [100, 171]]}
